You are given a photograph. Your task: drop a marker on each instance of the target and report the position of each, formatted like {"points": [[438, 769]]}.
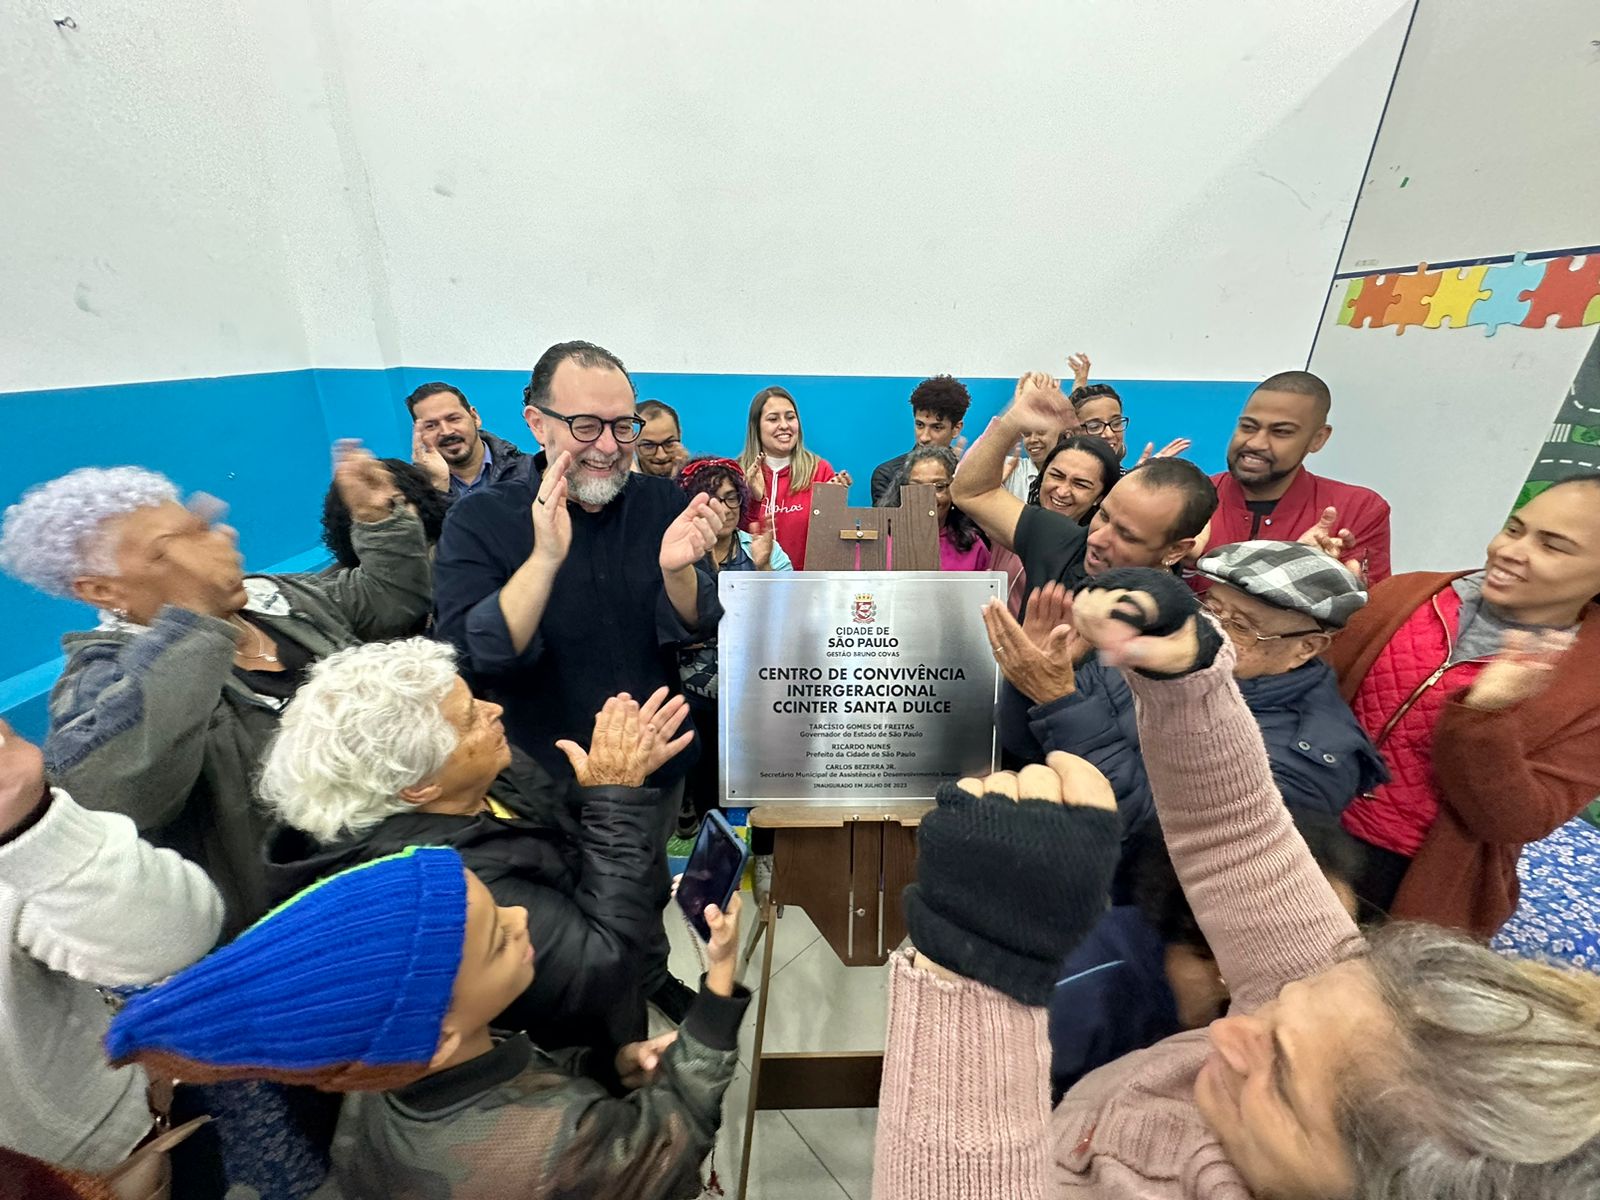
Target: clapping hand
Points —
{"points": [[629, 743], [757, 479], [1038, 666], [364, 483], [426, 458], [690, 537], [22, 786], [552, 520], [639, 1062], [1338, 544], [761, 544], [1038, 402], [1523, 668]]}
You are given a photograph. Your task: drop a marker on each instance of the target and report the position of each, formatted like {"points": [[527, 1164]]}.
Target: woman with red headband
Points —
{"points": [[735, 550]]}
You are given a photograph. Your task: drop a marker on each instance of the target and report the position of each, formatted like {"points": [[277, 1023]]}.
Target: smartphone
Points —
{"points": [[715, 867]]}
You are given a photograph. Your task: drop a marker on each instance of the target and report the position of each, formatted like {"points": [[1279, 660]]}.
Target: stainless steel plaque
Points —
{"points": [[849, 687]]}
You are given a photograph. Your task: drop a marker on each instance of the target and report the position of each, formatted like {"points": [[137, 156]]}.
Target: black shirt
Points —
{"points": [[292, 657], [884, 476], [608, 627], [1051, 547], [1259, 509]]}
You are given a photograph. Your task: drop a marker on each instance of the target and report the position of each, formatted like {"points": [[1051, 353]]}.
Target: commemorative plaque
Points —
{"points": [[854, 687]]}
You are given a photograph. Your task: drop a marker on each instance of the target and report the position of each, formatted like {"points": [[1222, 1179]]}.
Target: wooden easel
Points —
{"points": [[846, 867], [841, 538]]}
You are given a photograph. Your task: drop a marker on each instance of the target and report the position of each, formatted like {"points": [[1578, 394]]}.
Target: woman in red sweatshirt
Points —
{"points": [[781, 471]]}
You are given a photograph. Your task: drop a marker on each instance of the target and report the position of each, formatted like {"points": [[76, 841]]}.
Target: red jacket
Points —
{"points": [[1397, 705], [791, 511], [1500, 779], [1361, 510]]}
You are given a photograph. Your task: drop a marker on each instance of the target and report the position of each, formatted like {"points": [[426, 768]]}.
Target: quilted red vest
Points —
{"points": [[1398, 704]]}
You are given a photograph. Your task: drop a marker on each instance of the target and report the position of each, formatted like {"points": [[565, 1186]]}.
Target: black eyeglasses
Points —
{"points": [[669, 446], [1096, 426], [586, 427]]}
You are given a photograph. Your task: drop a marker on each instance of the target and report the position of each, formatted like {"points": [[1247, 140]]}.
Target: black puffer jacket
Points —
{"points": [[578, 859]]}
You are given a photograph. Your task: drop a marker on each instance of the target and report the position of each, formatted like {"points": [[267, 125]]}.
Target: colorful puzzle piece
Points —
{"points": [[1410, 291], [1570, 282], [1591, 315], [1367, 308], [1458, 291], [1351, 291], [1504, 304]]}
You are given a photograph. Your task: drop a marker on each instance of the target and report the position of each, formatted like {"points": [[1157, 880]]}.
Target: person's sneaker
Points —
{"points": [[672, 999]]}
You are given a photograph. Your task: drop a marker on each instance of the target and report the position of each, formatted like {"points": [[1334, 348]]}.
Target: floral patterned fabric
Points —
{"points": [[1559, 915]]}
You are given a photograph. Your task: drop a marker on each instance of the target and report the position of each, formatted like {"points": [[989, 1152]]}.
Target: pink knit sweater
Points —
{"points": [[965, 1113]]}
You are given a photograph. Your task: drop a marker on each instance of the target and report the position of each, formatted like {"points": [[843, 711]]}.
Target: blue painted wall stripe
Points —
{"points": [[261, 443]]}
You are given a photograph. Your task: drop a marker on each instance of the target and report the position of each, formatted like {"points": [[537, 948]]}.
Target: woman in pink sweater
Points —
{"points": [[1418, 1065]]}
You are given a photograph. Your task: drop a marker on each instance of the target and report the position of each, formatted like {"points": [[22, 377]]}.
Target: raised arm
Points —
{"points": [[979, 487], [391, 591], [1005, 889], [1266, 909], [97, 903], [128, 722]]}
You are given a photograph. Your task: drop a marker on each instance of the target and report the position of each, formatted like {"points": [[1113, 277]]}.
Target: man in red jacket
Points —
{"points": [[1267, 494]]}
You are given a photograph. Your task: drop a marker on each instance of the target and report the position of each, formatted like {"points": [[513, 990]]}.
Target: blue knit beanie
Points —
{"points": [[342, 987]]}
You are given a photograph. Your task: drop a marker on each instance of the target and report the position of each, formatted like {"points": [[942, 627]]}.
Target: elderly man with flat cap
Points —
{"points": [[1280, 603]]}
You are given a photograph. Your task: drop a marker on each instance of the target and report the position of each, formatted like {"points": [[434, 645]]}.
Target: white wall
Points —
{"points": [[206, 188], [1494, 123]]}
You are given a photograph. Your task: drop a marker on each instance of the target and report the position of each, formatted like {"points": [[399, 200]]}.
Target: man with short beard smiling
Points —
{"points": [[1267, 494], [450, 445], [580, 583]]}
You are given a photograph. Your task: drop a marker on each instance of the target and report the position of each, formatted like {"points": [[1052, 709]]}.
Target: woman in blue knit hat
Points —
{"points": [[384, 979]]}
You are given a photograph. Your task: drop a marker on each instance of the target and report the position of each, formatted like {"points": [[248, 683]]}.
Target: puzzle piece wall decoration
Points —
{"points": [[1410, 291], [1351, 292], [1458, 291], [1504, 304], [1569, 284], [1367, 309]]}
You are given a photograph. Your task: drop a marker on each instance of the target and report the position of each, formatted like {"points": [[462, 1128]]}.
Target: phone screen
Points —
{"points": [[712, 874]]}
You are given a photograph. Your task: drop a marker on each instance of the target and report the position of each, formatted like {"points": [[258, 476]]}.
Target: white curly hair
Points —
{"points": [[55, 533], [365, 724]]}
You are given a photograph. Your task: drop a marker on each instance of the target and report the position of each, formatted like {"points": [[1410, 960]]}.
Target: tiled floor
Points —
{"points": [[817, 1003]]}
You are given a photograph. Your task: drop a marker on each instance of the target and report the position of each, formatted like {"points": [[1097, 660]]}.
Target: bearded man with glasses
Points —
{"points": [[580, 583]]}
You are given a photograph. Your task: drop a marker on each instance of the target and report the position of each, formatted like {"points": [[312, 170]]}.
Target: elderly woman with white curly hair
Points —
{"points": [[385, 747], [165, 707]]}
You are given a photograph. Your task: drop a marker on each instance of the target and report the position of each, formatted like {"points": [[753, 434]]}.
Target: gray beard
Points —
{"points": [[598, 492]]}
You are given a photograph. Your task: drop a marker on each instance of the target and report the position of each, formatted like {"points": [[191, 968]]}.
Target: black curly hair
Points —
{"points": [[431, 506], [943, 396]]}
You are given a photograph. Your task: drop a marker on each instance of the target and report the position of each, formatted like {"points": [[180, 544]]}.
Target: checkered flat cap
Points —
{"points": [[1290, 576]]}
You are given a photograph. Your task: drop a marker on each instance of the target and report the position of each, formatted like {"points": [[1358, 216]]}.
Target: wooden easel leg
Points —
{"points": [[768, 917], [757, 929]]}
